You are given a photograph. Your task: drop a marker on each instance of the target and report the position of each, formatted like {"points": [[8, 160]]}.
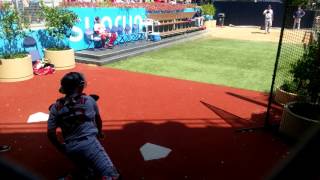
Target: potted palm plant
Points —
{"points": [[299, 116], [209, 12], [15, 64], [59, 22]]}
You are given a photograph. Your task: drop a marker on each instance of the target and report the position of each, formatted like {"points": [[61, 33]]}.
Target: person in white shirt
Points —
{"points": [[268, 18], [100, 29]]}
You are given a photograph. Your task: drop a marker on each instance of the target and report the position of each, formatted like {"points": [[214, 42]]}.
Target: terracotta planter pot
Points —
{"points": [[283, 97], [13, 70], [61, 59], [295, 126]]}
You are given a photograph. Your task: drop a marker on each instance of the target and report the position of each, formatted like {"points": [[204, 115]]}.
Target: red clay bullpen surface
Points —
{"points": [[196, 120]]}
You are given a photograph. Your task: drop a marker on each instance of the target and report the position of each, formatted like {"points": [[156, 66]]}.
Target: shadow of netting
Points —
{"points": [[256, 119], [196, 152], [230, 118], [274, 114], [250, 99]]}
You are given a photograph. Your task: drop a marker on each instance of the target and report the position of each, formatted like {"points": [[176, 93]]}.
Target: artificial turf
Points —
{"points": [[235, 63]]}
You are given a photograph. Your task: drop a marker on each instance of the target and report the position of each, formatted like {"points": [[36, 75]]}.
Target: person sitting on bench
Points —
{"points": [[199, 18], [100, 29]]}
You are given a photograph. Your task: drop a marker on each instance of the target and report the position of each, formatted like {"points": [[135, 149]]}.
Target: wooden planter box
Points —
{"points": [[282, 97], [13, 70], [61, 59], [293, 125]]}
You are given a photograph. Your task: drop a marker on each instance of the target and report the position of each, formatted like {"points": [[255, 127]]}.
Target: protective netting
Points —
{"points": [[293, 42]]}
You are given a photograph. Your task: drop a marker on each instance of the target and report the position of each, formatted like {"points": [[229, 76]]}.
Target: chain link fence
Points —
{"points": [[293, 42]]}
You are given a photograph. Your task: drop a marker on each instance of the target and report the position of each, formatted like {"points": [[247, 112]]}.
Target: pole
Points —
{"points": [[267, 124], [267, 118]]}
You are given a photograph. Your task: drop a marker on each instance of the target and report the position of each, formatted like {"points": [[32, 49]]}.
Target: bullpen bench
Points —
{"points": [[173, 23]]}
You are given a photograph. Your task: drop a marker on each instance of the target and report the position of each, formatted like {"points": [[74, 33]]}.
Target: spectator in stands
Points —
{"points": [[268, 18], [297, 17]]}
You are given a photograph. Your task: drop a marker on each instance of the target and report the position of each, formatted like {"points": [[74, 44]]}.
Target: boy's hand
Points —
{"points": [[101, 135]]}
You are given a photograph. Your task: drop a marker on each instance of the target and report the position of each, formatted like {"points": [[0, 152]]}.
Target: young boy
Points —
{"points": [[78, 117]]}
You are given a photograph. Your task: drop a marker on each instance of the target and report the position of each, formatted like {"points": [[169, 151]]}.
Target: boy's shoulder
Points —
{"points": [[62, 101], [58, 104]]}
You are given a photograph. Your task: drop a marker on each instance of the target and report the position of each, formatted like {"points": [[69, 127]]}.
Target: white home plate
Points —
{"points": [[152, 151], [38, 117]]}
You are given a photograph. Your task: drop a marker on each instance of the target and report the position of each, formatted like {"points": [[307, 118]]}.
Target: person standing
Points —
{"points": [[268, 18], [297, 17]]}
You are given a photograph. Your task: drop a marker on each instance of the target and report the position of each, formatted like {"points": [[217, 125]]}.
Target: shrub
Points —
{"points": [[306, 71], [59, 23], [290, 86], [208, 9], [12, 28]]}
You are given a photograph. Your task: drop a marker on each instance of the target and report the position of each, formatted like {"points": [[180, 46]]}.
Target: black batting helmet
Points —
{"points": [[71, 81]]}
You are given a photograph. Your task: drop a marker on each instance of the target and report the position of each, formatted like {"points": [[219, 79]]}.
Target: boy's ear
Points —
{"points": [[95, 97]]}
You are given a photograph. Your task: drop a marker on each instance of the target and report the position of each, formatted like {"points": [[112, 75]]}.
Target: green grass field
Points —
{"points": [[235, 63]]}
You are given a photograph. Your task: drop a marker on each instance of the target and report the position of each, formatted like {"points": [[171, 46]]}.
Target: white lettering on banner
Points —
{"points": [[87, 23], [79, 32], [78, 36], [124, 21], [107, 19], [137, 20], [130, 21], [116, 21]]}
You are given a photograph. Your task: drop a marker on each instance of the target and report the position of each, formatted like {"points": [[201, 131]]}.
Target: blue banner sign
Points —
{"points": [[109, 16]]}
